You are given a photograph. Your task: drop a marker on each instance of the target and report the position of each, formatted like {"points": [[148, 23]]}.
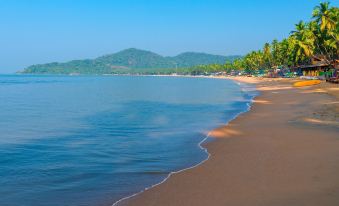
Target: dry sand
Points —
{"points": [[284, 152]]}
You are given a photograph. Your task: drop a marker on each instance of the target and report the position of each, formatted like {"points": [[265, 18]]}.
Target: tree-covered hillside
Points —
{"points": [[190, 59], [128, 61]]}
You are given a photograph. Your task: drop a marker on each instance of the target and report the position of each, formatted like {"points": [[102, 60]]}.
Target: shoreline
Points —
{"points": [[200, 144], [182, 180]]}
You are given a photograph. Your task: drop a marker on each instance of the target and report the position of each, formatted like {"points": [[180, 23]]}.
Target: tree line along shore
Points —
{"points": [[310, 50]]}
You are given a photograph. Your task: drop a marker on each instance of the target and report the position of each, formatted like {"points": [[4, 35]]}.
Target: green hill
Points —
{"points": [[190, 59], [127, 61]]}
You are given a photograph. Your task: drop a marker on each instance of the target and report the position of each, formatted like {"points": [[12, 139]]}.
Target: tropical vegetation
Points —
{"points": [[129, 61], [319, 37]]}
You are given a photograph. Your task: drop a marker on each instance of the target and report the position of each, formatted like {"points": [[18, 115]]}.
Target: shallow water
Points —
{"points": [[91, 140]]}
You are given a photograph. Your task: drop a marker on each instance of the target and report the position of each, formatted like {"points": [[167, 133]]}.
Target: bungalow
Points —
{"points": [[318, 68]]}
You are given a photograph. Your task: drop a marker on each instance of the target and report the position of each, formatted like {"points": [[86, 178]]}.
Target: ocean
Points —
{"points": [[92, 140]]}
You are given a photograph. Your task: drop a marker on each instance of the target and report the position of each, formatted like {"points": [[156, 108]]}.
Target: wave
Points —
{"points": [[250, 92]]}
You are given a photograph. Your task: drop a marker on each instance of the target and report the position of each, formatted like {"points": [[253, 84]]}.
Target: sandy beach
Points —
{"points": [[284, 151]]}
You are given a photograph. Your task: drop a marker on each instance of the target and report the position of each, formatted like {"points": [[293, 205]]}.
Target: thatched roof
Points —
{"points": [[320, 64]]}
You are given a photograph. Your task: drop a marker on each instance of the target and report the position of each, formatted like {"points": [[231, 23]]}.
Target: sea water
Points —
{"points": [[92, 140]]}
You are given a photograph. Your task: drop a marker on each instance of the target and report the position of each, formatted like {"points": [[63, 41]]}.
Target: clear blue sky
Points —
{"points": [[41, 31]]}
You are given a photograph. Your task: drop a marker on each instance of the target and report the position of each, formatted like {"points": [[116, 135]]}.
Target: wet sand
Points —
{"points": [[284, 151]]}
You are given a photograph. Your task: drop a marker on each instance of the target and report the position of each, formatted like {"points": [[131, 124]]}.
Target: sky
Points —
{"points": [[42, 31]]}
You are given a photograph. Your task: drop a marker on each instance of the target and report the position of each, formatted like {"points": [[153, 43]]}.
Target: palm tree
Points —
{"points": [[303, 38], [278, 55], [328, 32], [323, 15], [267, 55]]}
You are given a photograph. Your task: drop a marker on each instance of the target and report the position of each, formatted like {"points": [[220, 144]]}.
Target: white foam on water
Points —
{"points": [[245, 88]]}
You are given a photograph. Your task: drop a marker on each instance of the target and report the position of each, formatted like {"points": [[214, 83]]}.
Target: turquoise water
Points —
{"points": [[91, 140]]}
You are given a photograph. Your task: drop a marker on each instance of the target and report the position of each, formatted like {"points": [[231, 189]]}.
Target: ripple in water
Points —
{"points": [[93, 140]]}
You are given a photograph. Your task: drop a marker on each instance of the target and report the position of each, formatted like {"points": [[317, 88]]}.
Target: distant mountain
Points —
{"points": [[126, 61], [135, 58]]}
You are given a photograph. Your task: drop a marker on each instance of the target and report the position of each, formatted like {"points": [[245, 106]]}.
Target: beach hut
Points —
{"points": [[317, 69]]}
